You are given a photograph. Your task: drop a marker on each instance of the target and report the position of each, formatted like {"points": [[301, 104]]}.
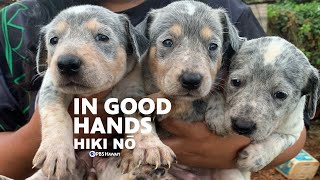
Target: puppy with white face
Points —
{"points": [[88, 50], [265, 95]]}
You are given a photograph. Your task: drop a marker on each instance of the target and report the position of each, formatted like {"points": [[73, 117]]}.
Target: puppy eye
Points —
{"points": [[167, 43], [280, 95], [101, 37], [212, 46], [236, 82], [54, 40]]}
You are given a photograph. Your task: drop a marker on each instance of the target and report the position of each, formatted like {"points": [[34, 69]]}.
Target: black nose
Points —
{"points": [[243, 127], [191, 81], [159, 172], [69, 64], [139, 178]]}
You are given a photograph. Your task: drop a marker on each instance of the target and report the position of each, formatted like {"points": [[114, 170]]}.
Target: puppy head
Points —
{"points": [[268, 80], [186, 47], [87, 49]]}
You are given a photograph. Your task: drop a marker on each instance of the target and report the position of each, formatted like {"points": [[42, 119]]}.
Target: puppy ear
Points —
{"points": [[312, 90], [144, 26], [42, 53], [137, 42], [230, 33]]}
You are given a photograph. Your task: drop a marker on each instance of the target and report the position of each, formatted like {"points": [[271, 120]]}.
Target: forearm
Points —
{"points": [[289, 153], [200, 148], [285, 156], [18, 149]]}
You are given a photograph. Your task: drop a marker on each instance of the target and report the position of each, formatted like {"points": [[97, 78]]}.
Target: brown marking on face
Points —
{"points": [[92, 25], [206, 33], [158, 70], [60, 50], [48, 59], [84, 52], [61, 27], [153, 59], [120, 60], [176, 29], [217, 66]]}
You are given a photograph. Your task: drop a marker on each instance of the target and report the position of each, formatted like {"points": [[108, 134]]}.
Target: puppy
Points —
{"points": [[265, 95], [187, 42], [88, 50]]}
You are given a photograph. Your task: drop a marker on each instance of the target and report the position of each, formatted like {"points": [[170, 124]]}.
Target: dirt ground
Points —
{"points": [[312, 146]]}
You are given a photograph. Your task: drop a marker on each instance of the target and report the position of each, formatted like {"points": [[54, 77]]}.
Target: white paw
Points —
{"points": [[152, 151], [55, 158], [253, 158]]}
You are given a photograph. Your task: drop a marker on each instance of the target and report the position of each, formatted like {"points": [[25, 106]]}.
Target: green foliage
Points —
{"points": [[299, 24]]}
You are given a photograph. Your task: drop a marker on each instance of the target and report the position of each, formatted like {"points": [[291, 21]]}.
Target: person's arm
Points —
{"points": [[18, 149], [21, 145], [291, 152], [196, 146]]}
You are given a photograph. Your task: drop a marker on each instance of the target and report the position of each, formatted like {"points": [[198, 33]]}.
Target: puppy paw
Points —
{"points": [[252, 158], [217, 128], [55, 158], [152, 151], [216, 122], [126, 163]]}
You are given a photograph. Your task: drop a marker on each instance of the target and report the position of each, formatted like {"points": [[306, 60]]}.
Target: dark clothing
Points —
{"points": [[20, 24]]}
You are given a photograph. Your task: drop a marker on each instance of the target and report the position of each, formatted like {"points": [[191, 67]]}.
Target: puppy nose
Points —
{"points": [[191, 81], [159, 172], [243, 127], [69, 64], [140, 178]]}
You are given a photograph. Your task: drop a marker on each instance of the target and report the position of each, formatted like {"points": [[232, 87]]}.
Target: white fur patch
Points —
{"points": [[294, 124], [191, 9], [273, 50], [77, 9]]}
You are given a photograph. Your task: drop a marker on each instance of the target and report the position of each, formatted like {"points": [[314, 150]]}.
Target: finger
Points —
{"points": [[186, 129], [178, 145], [176, 127], [185, 152]]}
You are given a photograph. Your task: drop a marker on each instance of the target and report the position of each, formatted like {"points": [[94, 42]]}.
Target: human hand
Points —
{"points": [[196, 146]]}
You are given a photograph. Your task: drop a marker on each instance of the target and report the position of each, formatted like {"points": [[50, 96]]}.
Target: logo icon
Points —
{"points": [[92, 154]]}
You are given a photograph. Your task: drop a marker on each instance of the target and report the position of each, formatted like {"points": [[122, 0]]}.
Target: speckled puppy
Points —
{"points": [[265, 97], [187, 41], [88, 49]]}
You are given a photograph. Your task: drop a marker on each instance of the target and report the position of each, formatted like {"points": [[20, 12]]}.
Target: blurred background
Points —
{"points": [[298, 21]]}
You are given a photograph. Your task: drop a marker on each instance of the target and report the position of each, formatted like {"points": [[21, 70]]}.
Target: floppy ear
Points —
{"points": [[144, 26], [137, 42], [230, 33], [42, 53], [312, 90]]}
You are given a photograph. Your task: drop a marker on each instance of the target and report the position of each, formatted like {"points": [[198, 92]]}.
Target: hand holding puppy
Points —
{"points": [[196, 146]]}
